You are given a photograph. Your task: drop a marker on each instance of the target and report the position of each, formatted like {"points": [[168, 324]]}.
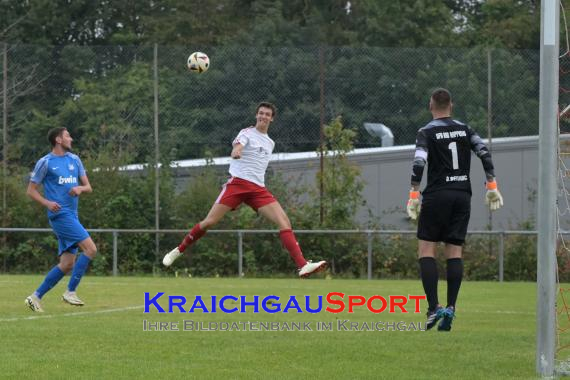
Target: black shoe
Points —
{"points": [[433, 316], [448, 315]]}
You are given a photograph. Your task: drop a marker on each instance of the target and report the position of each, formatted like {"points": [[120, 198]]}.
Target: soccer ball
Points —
{"points": [[198, 62]]}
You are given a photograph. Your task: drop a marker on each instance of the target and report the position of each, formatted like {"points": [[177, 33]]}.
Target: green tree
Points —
{"points": [[341, 200], [498, 23], [342, 184], [78, 22]]}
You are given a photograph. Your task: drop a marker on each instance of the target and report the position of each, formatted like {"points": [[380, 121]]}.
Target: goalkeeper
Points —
{"points": [[445, 145]]}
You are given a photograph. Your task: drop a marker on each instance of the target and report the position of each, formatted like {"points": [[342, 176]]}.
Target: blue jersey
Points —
{"points": [[59, 174]]}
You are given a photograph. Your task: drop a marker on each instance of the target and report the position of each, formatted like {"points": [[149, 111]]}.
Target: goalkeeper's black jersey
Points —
{"points": [[448, 144]]}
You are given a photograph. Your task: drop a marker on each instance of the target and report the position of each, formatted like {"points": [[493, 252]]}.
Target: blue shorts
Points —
{"points": [[69, 232]]}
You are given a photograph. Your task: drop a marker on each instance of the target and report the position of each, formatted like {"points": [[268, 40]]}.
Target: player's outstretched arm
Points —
{"points": [[33, 193], [236, 151]]}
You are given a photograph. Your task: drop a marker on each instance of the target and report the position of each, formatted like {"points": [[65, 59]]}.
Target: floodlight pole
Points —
{"points": [[4, 146], [156, 156], [547, 147], [322, 134]]}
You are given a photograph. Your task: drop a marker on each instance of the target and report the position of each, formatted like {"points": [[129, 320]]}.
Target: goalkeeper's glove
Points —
{"points": [[493, 198], [413, 206]]}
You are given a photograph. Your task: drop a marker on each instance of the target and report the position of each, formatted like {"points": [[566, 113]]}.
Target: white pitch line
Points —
{"points": [[71, 314], [141, 306], [498, 312]]}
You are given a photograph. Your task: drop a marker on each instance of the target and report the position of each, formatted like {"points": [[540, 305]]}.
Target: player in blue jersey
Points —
{"points": [[63, 178]]}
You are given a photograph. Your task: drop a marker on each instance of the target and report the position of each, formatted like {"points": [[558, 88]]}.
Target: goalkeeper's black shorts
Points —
{"points": [[444, 216]]}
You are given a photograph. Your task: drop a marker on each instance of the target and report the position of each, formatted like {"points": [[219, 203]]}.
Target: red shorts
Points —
{"points": [[237, 191]]}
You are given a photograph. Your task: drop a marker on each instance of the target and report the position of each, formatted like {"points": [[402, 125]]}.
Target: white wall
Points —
{"points": [[386, 172]]}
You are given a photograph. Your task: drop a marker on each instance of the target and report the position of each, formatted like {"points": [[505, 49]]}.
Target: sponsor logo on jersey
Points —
{"points": [[66, 180]]}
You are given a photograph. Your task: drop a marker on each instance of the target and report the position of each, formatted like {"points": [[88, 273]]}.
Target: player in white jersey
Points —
{"points": [[251, 151]]}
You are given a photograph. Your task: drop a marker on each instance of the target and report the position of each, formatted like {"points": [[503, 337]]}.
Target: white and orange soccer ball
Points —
{"points": [[198, 62]]}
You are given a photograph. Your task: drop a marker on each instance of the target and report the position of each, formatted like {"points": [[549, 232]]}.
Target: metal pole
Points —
{"points": [[156, 157], [489, 124], [4, 145], [322, 130], [240, 254], [501, 256], [115, 253], [369, 237], [548, 131]]}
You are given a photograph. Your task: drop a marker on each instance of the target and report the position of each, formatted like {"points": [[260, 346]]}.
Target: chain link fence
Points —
{"points": [[105, 95], [371, 254], [112, 99]]}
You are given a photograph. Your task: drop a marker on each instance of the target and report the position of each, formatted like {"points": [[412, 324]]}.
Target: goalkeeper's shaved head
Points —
{"points": [[440, 99]]}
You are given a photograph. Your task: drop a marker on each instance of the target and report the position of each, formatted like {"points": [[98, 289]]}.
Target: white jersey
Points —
{"points": [[257, 149]]}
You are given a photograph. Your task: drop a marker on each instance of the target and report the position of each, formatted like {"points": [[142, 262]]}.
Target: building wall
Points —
{"points": [[386, 172]]}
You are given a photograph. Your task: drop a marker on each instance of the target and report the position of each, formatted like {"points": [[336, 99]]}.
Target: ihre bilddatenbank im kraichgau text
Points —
{"points": [[333, 302]]}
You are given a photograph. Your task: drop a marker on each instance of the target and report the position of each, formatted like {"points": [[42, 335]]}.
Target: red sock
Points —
{"points": [[290, 244], [195, 233]]}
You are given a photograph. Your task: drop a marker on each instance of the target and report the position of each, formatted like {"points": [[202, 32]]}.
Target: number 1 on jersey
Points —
{"points": [[454, 158]]}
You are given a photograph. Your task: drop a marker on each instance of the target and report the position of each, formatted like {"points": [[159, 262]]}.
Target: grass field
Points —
{"points": [[493, 336]]}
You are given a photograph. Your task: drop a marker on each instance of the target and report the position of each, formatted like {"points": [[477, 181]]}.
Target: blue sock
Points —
{"points": [[52, 278], [78, 271]]}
